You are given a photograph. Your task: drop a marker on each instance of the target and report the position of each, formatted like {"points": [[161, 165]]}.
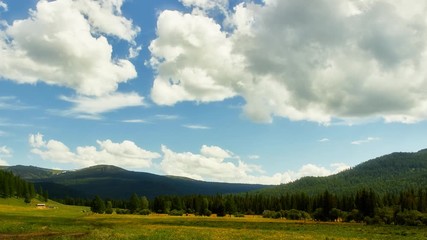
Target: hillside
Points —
{"points": [[390, 173], [117, 183]]}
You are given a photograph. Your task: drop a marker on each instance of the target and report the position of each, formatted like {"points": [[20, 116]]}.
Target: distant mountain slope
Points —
{"points": [[389, 173], [31, 172], [117, 183]]}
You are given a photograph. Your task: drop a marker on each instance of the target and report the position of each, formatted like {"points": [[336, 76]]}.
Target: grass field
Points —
{"points": [[22, 221]]}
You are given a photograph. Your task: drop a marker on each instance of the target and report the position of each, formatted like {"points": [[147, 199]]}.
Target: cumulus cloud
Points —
{"points": [[319, 62], [204, 4], [216, 164], [125, 154], [192, 56], [65, 43], [324, 140]]}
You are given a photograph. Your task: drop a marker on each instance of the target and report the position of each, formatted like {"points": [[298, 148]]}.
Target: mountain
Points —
{"points": [[390, 173], [31, 172], [117, 183]]}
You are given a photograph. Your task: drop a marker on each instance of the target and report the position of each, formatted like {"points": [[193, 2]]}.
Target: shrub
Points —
{"points": [[293, 214], [207, 212], [239, 215], [122, 211], [268, 214], [175, 212], [144, 212], [411, 218]]}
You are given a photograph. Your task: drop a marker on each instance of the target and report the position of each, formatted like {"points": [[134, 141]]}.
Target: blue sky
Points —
{"points": [[235, 91]]}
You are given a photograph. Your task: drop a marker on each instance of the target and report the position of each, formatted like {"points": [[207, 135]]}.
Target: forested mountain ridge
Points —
{"points": [[32, 172], [389, 173], [117, 183]]}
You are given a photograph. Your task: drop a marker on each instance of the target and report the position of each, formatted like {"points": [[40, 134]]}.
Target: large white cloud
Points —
{"points": [[194, 60], [64, 43], [316, 61], [216, 164], [125, 154]]}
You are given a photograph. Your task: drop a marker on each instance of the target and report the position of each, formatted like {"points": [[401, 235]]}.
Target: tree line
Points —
{"points": [[406, 207], [14, 186]]}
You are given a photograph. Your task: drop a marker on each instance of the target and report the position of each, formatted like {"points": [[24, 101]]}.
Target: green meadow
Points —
{"points": [[24, 221]]}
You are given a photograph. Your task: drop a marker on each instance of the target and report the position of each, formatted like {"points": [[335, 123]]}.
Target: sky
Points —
{"points": [[263, 91]]}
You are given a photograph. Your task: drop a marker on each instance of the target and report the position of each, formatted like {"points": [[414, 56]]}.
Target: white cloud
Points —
{"points": [[338, 59], [196, 127], [3, 5], [65, 43], [166, 117], [254, 157], [363, 141], [324, 140], [92, 107], [210, 164], [216, 164], [5, 151], [11, 103], [106, 17], [3, 162], [135, 121], [7, 123], [205, 4], [125, 154], [191, 54], [311, 170]]}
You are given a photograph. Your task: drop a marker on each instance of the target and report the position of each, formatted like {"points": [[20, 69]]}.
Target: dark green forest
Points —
{"points": [[14, 186], [386, 174], [408, 207]]}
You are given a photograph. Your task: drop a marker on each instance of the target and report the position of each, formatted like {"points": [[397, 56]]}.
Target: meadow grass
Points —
{"points": [[23, 221]]}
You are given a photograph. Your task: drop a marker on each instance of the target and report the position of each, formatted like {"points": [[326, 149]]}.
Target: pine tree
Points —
{"points": [[98, 205], [109, 208], [144, 202], [134, 203]]}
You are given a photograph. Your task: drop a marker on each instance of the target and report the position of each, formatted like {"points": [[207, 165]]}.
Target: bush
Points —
{"points": [[175, 212], [410, 218], [122, 211], [144, 212], [268, 214], [239, 215], [354, 215], [207, 212], [250, 212], [293, 214], [386, 214]]}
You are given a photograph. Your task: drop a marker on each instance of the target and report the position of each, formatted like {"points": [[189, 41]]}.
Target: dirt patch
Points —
{"points": [[42, 235]]}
